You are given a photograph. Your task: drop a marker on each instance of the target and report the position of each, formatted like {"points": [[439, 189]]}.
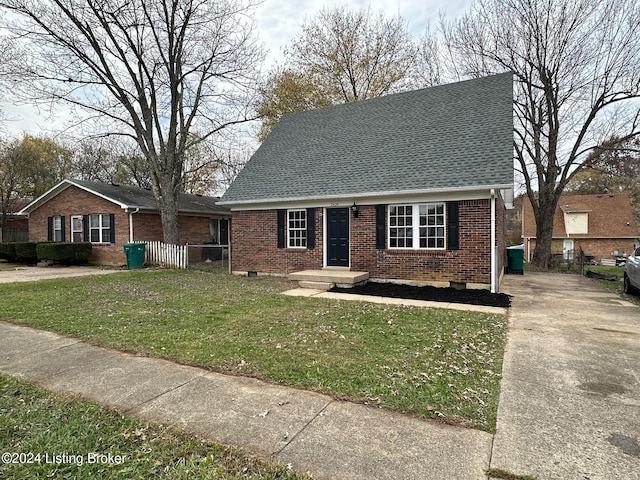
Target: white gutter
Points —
{"points": [[360, 195], [494, 247], [131, 214]]}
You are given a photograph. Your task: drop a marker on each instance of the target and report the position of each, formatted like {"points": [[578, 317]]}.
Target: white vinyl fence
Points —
{"points": [[167, 255]]}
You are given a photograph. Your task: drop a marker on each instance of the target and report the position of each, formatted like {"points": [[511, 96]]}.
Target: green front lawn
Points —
{"points": [[46, 435], [427, 362]]}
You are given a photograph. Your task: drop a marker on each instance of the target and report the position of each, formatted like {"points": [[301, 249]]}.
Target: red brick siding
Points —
{"points": [[192, 230], [255, 244], [255, 247], [75, 201], [147, 226]]}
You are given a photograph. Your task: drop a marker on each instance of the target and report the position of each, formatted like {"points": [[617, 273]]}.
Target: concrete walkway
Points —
{"points": [[569, 405], [570, 398]]}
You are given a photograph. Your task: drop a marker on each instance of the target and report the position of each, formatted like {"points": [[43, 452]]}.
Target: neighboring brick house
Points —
{"points": [[111, 215], [410, 186], [603, 226]]}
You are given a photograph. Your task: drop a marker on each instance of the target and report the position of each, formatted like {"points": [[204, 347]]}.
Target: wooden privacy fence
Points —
{"points": [[167, 255]]}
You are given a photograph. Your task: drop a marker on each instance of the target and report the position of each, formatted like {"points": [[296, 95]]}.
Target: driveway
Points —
{"points": [[570, 397], [30, 274]]}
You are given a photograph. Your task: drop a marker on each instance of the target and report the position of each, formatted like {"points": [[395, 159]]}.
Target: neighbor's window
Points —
{"points": [[77, 231], [57, 229], [99, 228], [297, 228], [417, 226]]}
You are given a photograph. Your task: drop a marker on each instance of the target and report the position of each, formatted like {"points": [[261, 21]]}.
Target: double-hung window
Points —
{"points": [[77, 228], [100, 228], [297, 228], [420, 226], [57, 229]]}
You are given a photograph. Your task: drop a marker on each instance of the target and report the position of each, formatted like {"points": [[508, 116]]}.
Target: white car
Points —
{"points": [[632, 272]]}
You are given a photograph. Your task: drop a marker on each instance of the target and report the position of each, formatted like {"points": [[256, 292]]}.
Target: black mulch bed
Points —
{"points": [[433, 294]]}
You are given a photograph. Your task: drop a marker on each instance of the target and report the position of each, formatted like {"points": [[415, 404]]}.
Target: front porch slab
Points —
{"points": [[343, 278]]}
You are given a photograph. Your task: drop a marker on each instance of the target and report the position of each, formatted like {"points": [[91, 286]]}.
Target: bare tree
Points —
{"points": [[110, 160], [577, 70], [154, 70], [354, 54], [340, 55]]}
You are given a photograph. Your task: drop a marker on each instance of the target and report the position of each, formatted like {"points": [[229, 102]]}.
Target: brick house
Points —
{"points": [[110, 215], [410, 186], [603, 226]]}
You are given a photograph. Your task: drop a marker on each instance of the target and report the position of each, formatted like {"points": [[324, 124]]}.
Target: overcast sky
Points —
{"points": [[277, 23]]}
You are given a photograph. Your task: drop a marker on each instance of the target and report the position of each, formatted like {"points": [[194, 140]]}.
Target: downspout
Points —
{"points": [[494, 253], [131, 214]]}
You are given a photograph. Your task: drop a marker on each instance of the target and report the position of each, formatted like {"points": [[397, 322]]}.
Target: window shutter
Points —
{"points": [[112, 227], [281, 236], [85, 228], [453, 234], [62, 229], [311, 228], [50, 229], [380, 227]]}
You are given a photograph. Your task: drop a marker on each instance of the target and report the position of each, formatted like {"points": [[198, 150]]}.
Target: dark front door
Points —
{"points": [[337, 237]]}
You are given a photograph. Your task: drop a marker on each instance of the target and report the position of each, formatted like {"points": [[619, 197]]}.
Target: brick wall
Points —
{"points": [[255, 244], [75, 201], [191, 229], [147, 226], [255, 247], [470, 264]]}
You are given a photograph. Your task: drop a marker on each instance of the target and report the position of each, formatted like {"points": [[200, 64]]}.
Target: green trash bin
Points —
{"points": [[515, 259], [135, 254]]}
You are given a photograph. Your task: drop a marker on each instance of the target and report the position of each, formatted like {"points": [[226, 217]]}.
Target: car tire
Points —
{"points": [[628, 288]]}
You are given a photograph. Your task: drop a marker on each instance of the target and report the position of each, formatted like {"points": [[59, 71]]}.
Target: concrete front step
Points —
{"points": [[341, 278], [316, 285]]}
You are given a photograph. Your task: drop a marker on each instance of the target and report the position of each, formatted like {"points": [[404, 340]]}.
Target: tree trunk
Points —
{"points": [[544, 215], [168, 206]]}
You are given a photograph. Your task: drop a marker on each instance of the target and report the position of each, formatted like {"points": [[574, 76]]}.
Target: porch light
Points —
{"points": [[354, 209]]}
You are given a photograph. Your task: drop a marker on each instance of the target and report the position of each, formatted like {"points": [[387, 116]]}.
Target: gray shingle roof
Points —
{"points": [[135, 197], [457, 136]]}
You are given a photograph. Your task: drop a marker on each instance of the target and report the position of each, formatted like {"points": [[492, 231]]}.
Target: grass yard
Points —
{"points": [[427, 362], [43, 426]]}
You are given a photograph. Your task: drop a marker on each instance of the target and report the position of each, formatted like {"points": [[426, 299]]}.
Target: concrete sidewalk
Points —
{"points": [[570, 397], [332, 439]]}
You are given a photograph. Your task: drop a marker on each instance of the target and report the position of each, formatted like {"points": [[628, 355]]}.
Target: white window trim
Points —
{"points": [[100, 228], [289, 229], [415, 215], [81, 231]]}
